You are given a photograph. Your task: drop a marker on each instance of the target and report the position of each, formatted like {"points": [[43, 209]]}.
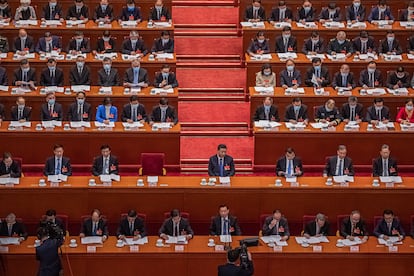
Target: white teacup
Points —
{"points": [[42, 182], [375, 182], [211, 242], [120, 243], [73, 241], [126, 91], [38, 127], [278, 182], [151, 57], [140, 182], [329, 181], [92, 182], [66, 126], [203, 181], [159, 242], [36, 243]]}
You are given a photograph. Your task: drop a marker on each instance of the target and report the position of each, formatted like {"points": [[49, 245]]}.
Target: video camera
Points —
{"points": [[52, 230], [244, 258]]}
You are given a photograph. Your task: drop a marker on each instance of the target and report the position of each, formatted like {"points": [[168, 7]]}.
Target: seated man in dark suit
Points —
{"points": [[12, 228], [267, 111], [23, 44], [94, 226], [286, 42], [106, 44], [306, 13], [314, 45], [231, 268], [255, 12], [52, 75], [78, 11], [352, 110], [318, 227], [330, 13], [4, 44], [136, 76], [52, 11], [176, 226], [107, 75], [317, 75], [289, 165], [384, 165], [164, 44], [221, 164], [276, 224], [281, 13], [224, 223], [2, 113], [3, 76], [131, 12], [398, 79], [296, 112], [106, 163], [328, 113], [378, 112], [408, 13], [9, 167], [165, 79], [353, 226], [364, 44], [50, 217], [355, 12], [159, 12], [390, 45], [134, 45], [134, 111], [25, 76], [51, 110], [79, 110], [259, 45], [20, 112], [57, 164], [290, 77], [344, 78], [340, 45], [381, 12], [79, 44], [131, 226], [5, 11], [163, 113], [80, 73], [48, 43], [389, 226], [103, 12], [339, 164], [370, 77]]}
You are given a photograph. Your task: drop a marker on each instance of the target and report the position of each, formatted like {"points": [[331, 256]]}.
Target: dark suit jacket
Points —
{"points": [[290, 113], [382, 228], [73, 112], [58, 222], [125, 14], [31, 75], [127, 113], [18, 230], [101, 46], [172, 80], [41, 44], [337, 80], [275, 14], [290, 47], [396, 47], [48, 256], [404, 15], [3, 76], [286, 80], [57, 112], [318, 48], [85, 46], [260, 113], [126, 47], [283, 229], [234, 228], [87, 228], [282, 167], [331, 116], [50, 166], [256, 46], [14, 170], [79, 79], [139, 228], [393, 80], [100, 14], [142, 76], [330, 168], [4, 44], [248, 13], [170, 115], [325, 14], [364, 78], [29, 44], [310, 16], [372, 114], [310, 229], [184, 227], [346, 111], [165, 14], [357, 45], [324, 75], [359, 230], [214, 168], [83, 12], [350, 14], [46, 80], [166, 48], [235, 270], [111, 80], [377, 168], [27, 111], [334, 46], [52, 14], [374, 14], [6, 13], [97, 166]]}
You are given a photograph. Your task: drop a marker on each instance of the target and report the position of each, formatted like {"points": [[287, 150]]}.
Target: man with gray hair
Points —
{"points": [[134, 45], [318, 227], [384, 165], [339, 164], [340, 44], [353, 226], [12, 228]]}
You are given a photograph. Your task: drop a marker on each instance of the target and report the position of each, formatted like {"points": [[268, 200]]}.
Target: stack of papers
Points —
{"points": [[131, 23], [321, 56], [91, 240], [3, 55], [141, 241], [104, 55], [27, 22], [20, 124], [4, 88], [71, 57], [9, 240], [398, 91], [74, 22], [162, 90], [391, 179], [264, 90], [135, 90], [287, 55], [297, 125], [334, 24], [376, 91], [57, 178], [393, 57], [109, 177], [152, 179], [162, 125], [361, 25], [253, 25], [224, 179], [311, 240], [368, 56], [53, 23], [105, 90], [387, 125], [9, 180], [28, 55], [306, 25], [4, 23], [132, 125], [352, 125], [261, 57], [79, 88], [338, 56], [51, 124], [162, 24], [129, 57], [410, 56], [265, 123], [381, 22], [390, 239], [99, 124], [165, 56], [80, 124], [356, 241], [280, 25], [273, 239], [319, 125], [179, 239], [407, 127], [225, 238], [57, 89], [343, 178], [299, 90], [406, 24]]}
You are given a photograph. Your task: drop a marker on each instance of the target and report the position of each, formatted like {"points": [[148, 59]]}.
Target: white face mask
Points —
{"points": [[409, 107]]}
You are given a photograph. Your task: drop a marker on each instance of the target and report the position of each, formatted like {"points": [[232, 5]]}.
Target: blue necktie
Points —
{"points": [[136, 74], [225, 227], [94, 229], [289, 168], [341, 170], [57, 170], [221, 166]]}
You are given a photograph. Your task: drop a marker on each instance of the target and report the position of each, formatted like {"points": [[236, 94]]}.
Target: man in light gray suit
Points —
{"points": [[136, 76]]}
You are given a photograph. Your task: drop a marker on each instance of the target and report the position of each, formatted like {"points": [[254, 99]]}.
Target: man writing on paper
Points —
{"points": [[106, 163], [384, 165], [136, 76], [352, 110], [165, 79], [12, 228], [276, 224], [176, 226], [131, 226], [318, 227], [343, 79], [289, 165], [80, 110], [57, 164], [378, 112], [328, 113], [389, 226], [221, 164], [9, 167], [353, 226], [296, 112], [224, 223], [94, 226], [134, 111], [267, 111], [163, 113], [340, 164], [317, 75]]}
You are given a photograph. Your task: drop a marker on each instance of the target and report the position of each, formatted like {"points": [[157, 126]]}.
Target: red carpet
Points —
{"points": [[205, 15], [214, 111], [211, 77], [206, 45]]}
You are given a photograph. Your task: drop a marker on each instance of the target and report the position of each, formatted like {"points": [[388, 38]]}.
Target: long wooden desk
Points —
{"points": [[35, 100], [94, 64], [81, 146], [371, 259], [303, 64], [309, 98]]}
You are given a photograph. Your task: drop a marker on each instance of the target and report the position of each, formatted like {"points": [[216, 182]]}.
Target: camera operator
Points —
{"points": [[232, 269], [47, 252]]}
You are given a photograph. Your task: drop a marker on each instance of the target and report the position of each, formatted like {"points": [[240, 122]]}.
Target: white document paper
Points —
{"points": [[299, 90], [20, 124], [253, 25], [99, 124], [356, 241], [397, 91], [105, 89], [225, 238], [287, 55], [343, 178], [361, 25], [4, 87], [104, 55], [26, 22], [321, 56], [57, 89], [128, 57], [28, 55], [131, 23], [368, 56], [141, 241], [390, 239], [410, 56], [109, 177], [152, 179], [319, 125], [9, 180], [162, 24], [381, 22], [9, 240], [262, 89], [381, 125], [271, 238], [291, 179], [51, 124], [132, 125], [72, 57], [91, 240], [162, 90], [265, 123], [261, 57], [334, 24], [79, 88], [135, 90], [53, 23], [179, 239], [297, 125], [311, 240], [338, 56], [407, 24], [162, 125], [376, 91], [74, 22], [224, 179], [80, 124], [352, 125], [306, 25], [165, 56], [280, 25], [393, 57], [57, 178], [391, 179]]}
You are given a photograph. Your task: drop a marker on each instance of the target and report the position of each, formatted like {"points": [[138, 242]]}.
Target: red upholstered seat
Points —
{"points": [[139, 215], [152, 164], [339, 219], [185, 215]]}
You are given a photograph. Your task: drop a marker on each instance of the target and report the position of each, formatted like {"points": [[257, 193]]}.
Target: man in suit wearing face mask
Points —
{"points": [[108, 76], [80, 110], [391, 45], [165, 79], [164, 44], [355, 12], [25, 76], [80, 73], [343, 78], [134, 45], [52, 11], [297, 112], [370, 77], [79, 44], [164, 113], [340, 45], [20, 112], [136, 76], [381, 12], [134, 111], [378, 112]]}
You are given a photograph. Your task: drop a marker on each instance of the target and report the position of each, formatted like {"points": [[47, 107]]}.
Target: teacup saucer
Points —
{"points": [[73, 245]]}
